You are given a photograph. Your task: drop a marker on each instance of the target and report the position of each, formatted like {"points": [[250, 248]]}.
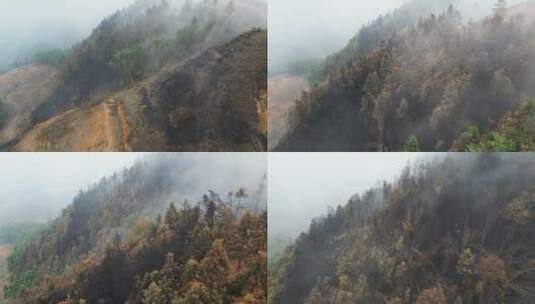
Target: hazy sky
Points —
{"points": [[310, 28], [36, 186], [26, 23], [302, 186], [303, 29]]}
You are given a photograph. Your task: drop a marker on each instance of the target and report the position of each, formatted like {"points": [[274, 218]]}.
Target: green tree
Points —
{"points": [[186, 36], [171, 216], [412, 145], [153, 294], [54, 57], [210, 211], [130, 63]]}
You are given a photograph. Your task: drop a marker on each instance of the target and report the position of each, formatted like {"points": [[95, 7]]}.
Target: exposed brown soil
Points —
{"points": [[22, 90], [283, 91], [216, 101]]}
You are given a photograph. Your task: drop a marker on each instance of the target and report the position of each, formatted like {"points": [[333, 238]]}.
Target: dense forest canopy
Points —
{"points": [[417, 81], [453, 230], [155, 214], [138, 82]]}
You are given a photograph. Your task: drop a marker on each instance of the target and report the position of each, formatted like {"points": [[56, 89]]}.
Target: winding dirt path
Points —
{"points": [[116, 127]]}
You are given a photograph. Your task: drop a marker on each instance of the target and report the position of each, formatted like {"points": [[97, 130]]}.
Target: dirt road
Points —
{"points": [[115, 126]]}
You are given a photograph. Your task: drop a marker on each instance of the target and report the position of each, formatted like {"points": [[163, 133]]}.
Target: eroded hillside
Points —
{"points": [[215, 101], [21, 91]]}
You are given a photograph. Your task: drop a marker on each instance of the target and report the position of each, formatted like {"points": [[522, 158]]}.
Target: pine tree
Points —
{"points": [[500, 12], [171, 216], [210, 211], [153, 295], [215, 265]]}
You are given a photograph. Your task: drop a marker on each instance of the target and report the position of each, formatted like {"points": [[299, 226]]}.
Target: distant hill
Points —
{"points": [[22, 90], [411, 82], [456, 230]]}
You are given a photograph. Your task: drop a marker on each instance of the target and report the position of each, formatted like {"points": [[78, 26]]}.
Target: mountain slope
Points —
{"points": [[428, 81], [457, 230], [113, 90], [112, 246], [21, 91], [213, 102]]}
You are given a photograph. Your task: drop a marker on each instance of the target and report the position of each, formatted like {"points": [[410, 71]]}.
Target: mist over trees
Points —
{"points": [[314, 29], [36, 187], [142, 66], [301, 32], [415, 79], [56, 24], [294, 177], [144, 38], [452, 230], [147, 223]]}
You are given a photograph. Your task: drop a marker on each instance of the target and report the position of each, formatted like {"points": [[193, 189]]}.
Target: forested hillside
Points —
{"points": [[9, 236], [122, 241], [114, 85], [457, 229], [416, 80]]}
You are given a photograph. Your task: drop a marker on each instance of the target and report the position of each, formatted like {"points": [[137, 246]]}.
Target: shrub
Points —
{"points": [[412, 145]]}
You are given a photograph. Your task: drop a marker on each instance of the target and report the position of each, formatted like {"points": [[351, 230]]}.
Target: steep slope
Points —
{"points": [[282, 89], [109, 91], [112, 246], [21, 91], [458, 230], [213, 102], [427, 80], [142, 39]]}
